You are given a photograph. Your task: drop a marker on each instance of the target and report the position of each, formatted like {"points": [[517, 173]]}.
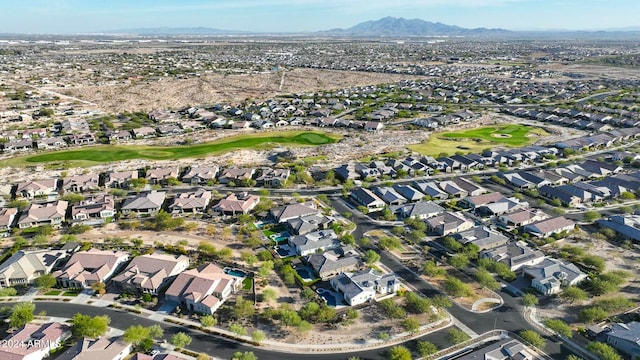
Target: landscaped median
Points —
{"points": [[94, 155]]}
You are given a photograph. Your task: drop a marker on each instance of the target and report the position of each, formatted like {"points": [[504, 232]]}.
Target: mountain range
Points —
{"points": [[388, 26]]}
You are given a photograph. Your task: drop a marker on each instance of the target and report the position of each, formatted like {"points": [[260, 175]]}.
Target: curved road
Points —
{"points": [[507, 317]]}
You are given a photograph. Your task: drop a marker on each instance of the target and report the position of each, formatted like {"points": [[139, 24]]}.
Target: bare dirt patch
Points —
{"points": [[212, 88]]}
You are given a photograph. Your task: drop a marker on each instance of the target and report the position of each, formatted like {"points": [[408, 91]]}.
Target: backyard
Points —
{"points": [[476, 140]]}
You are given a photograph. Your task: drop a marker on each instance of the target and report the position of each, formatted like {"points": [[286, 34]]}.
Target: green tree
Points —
{"points": [[269, 294], [451, 243], [487, 280], [591, 216], [304, 326], [208, 320], [430, 268], [247, 355], [46, 281], [456, 336], [399, 352], [573, 294], [410, 324], [416, 304], [237, 329], [155, 331], [457, 287], [426, 348], [529, 300], [258, 336], [243, 309], [559, 327], [136, 334], [533, 338], [603, 351], [180, 340], [593, 314], [88, 326], [459, 261], [391, 309], [21, 314], [371, 257]]}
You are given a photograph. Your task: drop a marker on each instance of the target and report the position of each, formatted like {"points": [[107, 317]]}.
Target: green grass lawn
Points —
{"points": [[71, 293], [53, 292], [247, 283], [103, 154], [476, 140]]}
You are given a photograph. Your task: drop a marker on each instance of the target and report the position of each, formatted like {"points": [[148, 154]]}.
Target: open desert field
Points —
{"points": [[213, 88]]}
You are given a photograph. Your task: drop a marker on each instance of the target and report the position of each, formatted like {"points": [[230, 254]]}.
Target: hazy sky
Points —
{"points": [[70, 16]]}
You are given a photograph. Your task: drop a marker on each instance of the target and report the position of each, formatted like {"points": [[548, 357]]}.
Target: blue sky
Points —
{"points": [[72, 16]]}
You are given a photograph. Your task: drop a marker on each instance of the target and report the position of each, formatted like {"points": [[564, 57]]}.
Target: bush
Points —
{"points": [[559, 327], [533, 338], [603, 351], [456, 336], [456, 287], [592, 314], [391, 309], [430, 268]]}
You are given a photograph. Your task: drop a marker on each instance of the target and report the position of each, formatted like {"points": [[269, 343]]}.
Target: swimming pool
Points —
{"points": [[332, 299], [235, 272]]}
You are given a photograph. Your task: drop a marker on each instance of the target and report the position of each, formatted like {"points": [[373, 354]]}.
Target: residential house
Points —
{"points": [[94, 210], [551, 275], [448, 223], [81, 183], [7, 217], [515, 255], [346, 172], [360, 287], [521, 218], [34, 341], [26, 265], [408, 192], [287, 212], [473, 202], [367, 199], [548, 227], [120, 180], [18, 145], [555, 193], [202, 290], [420, 210], [144, 132], [81, 139], [625, 338], [236, 176], [51, 143], [86, 268], [190, 202], [431, 189], [201, 175], [43, 214], [333, 262], [273, 177], [309, 223], [506, 205], [147, 274], [36, 188], [162, 176], [389, 195], [503, 349], [102, 348], [312, 242], [481, 236], [626, 226], [149, 203], [470, 187], [240, 203], [452, 189]]}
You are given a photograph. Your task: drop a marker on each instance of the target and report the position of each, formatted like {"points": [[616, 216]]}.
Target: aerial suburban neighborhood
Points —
{"points": [[189, 196]]}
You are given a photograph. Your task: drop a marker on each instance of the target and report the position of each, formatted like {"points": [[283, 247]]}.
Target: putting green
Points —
{"points": [[101, 154], [476, 140]]}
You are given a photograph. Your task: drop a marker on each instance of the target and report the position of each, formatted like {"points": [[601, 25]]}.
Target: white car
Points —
{"points": [[154, 352]]}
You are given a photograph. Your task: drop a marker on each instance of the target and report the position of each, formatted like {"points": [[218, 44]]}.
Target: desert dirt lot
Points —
{"points": [[212, 88]]}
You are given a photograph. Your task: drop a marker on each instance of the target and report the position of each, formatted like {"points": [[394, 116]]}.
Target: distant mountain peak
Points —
{"points": [[392, 26]]}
